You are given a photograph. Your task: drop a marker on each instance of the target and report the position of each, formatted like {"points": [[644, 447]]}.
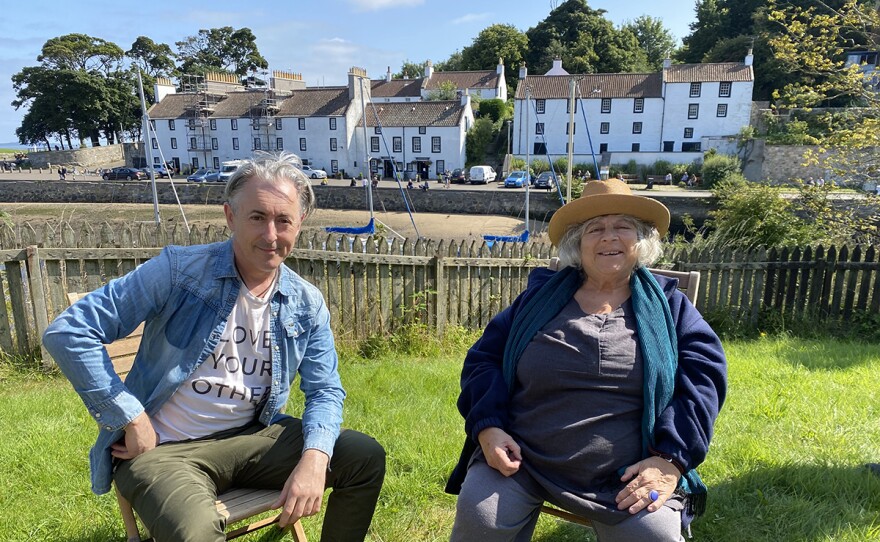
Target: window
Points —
{"points": [[156, 160], [540, 106], [688, 133], [213, 124], [171, 124], [302, 124], [377, 129], [255, 124], [257, 144], [568, 106], [637, 127], [278, 123], [191, 124], [693, 111], [668, 146], [539, 148], [332, 123], [233, 123], [441, 166], [279, 143], [192, 143], [574, 128], [235, 143], [214, 144], [302, 144], [423, 130], [604, 128], [636, 147], [333, 146], [691, 147], [539, 128], [724, 89], [435, 144], [374, 144], [195, 163], [603, 147], [721, 111], [397, 144], [695, 90], [639, 105], [216, 162], [334, 166], [155, 143], [606, 105], [173, 142], [416, 144]]}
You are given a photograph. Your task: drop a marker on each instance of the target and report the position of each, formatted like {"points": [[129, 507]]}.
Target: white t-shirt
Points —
{"points": [[227, 388]]}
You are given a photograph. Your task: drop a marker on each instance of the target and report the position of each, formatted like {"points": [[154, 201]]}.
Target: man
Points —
{"points": [[228, 328]]}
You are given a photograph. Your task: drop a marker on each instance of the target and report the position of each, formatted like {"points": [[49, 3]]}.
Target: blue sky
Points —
{"points": [[321, 40]]}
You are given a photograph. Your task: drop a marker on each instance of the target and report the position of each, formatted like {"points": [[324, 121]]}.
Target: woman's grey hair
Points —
{"points": [[275, 168], [649, 247]]}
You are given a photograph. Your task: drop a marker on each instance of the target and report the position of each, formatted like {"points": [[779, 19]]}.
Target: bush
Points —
{"points": [[539, 166], [561, 166], [719, 167]]}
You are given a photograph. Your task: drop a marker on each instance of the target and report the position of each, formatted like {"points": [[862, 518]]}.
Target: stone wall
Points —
{"points": [[542, 204], [83, 158], [783, 163]]}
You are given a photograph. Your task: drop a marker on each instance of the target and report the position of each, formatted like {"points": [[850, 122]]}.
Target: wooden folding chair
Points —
{"points": [[236, 505], [689, 283]]}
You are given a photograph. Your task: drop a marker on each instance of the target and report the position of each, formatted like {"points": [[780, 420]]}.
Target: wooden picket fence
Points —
{"points": [[373, 286]]}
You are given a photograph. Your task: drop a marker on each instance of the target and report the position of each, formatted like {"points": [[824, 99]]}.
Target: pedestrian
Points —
{"points": [[685, 178], [228, 327], [446, 178]]}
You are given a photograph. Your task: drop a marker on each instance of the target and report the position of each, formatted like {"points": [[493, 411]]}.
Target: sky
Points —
{"points": [[319, 39]]}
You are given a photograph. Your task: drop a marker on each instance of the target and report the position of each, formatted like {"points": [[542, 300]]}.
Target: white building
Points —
{"points": [[675, 114], [218, 120]]}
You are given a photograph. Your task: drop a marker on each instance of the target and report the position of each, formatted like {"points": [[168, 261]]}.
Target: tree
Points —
{"points": [[478, 140], [220, 49], [654, 38], [495, 109], [410, 70], [451, 64], [812, 41], [154, 59], [446, 91], [82, 53], [585, 40], [499, 41]]}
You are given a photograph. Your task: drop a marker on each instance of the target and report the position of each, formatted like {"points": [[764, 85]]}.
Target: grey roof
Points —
{"points": [[705, 73], [463, 80], [608, 85], [396, 88], [439, 113], [317, 102], [172, 106]]}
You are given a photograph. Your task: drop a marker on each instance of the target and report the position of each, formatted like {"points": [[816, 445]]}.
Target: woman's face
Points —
{"points": [[608, 247]]}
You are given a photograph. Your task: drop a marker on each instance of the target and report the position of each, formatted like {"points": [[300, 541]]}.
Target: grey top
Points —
{"points": [[577, 409]]}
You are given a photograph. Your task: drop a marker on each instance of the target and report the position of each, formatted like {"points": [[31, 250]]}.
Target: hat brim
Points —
{"points": [[587, 207]]}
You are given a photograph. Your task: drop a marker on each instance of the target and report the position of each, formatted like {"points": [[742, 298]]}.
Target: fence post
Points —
{"points": [[38, 299], [442, 293]]}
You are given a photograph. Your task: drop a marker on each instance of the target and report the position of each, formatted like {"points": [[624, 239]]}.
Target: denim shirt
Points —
{"points": [[185, 296]]}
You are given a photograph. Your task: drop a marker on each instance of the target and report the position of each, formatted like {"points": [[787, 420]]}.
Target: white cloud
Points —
{"points": [[471, 18], [374, 5]]}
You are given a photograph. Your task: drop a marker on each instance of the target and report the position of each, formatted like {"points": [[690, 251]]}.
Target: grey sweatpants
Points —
{"points": [[495, 508]]}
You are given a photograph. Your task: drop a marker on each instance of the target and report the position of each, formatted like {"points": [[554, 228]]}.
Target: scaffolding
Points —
{"points": [[203, 97]]}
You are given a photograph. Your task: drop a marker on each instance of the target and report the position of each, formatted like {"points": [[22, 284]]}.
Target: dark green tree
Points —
{"points": [[82, 53], [451, 64], [220, 49], [154, 59], [654, 38], [499, 41], [495, 109], [410, 70]]}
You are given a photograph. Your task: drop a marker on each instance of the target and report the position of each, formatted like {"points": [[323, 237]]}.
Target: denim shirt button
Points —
{"points": [[108, 428], [97, 415], [276, 347]]}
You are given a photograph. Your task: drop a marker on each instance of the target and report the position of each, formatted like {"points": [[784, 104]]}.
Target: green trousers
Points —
{"points": [[173, 486]]}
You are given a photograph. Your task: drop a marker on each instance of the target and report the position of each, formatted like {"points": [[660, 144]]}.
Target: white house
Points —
{"points": [[674, 114]]}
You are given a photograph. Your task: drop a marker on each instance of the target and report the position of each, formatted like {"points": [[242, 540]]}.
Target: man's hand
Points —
{"points": [[140, 437], [651, 474], [501, 451], [304, 489]]}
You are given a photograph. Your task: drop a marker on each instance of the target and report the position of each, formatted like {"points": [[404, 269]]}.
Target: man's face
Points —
{"points": [[265, 222]]}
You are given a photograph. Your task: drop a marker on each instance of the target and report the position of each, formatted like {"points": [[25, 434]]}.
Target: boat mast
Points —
{"points": [[148, 149], [366, 151], [528, 156]]}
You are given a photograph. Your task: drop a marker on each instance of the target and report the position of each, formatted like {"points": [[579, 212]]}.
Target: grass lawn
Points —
{"points": [[801, 419]]}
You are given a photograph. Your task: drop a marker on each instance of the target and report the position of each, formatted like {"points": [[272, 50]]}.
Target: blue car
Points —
{"points": [[200, 176], [516, 179]]}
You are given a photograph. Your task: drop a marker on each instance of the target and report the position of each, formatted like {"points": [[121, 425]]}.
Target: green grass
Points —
{"points": [[801, 419]]}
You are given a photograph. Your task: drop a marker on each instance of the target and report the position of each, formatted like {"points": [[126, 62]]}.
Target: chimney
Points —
{"points": [[500, 69], [466, 98], [667, 63], [750, 58], [388, 75], [523, 71], [162, 88], [429, 69], [557, 64]]}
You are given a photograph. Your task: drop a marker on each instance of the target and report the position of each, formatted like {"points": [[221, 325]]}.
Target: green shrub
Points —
{"points": [[561, 166], [539, 166], [719, 167]]}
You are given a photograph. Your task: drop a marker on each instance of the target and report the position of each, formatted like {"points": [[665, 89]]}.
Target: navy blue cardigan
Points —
{"points": [[683, 430]]}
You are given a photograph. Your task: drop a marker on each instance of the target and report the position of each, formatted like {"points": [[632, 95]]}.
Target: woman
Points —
{"points": [[596, 390]]}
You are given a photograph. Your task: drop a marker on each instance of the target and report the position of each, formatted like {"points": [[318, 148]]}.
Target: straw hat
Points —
{"points": [[611, 197]]}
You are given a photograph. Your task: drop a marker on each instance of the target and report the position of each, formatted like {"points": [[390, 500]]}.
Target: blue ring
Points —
{"points": [[654, 495]]}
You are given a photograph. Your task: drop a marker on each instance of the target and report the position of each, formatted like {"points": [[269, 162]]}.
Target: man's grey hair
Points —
{"points": [[649, 248], [275, 168]]}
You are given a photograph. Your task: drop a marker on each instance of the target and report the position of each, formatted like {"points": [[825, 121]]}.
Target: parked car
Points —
{"points": [[458, 175], [126, 173], [162, 171], [213, 177], [546, 180], [516, 179], [314, 173], [481, 174], [199, 176]]}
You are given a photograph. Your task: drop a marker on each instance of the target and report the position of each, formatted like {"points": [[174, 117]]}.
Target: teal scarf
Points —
{"points": [[658, 344]]}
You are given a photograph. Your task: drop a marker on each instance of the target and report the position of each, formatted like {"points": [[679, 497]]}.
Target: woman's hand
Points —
{"points": [[501, 451], [651, 474]]}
